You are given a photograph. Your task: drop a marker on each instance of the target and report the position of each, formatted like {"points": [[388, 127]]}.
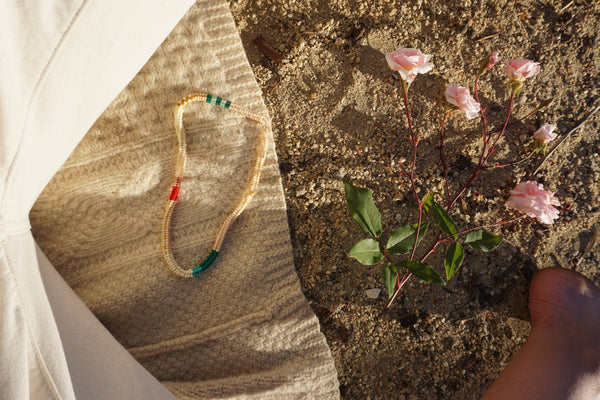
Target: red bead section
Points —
{"points": [[174, 193]]}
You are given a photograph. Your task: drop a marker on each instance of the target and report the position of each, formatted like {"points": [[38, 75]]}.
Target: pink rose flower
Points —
{"points": [[461, 98], [409, 63], [544, 134], [530, 198], [519, 70]]}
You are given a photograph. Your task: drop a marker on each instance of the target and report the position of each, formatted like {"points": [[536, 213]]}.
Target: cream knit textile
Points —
{"points": [[240, 330]]}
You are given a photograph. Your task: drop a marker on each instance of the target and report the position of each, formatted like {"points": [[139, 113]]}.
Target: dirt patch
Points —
{"points": [[336, 113]]}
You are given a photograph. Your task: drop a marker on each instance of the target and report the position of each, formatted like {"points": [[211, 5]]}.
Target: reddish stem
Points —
{"points": [[510, 104], [482, 227], [415, 143], [442, 159], [485, 154], [432, 248], [407, 274], [523, 118], [413, 138], [483, 119]]}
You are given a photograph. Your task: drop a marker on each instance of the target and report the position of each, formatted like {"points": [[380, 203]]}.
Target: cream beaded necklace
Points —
{"points": [[180, 168]]}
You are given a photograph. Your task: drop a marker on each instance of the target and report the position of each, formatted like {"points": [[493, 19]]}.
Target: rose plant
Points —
{"points": [[529, 199]]}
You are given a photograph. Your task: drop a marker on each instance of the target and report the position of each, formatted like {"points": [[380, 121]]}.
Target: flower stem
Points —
{"points": [[407, 274], [485, 154], [413, 138], [482, 227], [523, 118], [415, 142], [510, 104], [481, 110], [442, 159]]}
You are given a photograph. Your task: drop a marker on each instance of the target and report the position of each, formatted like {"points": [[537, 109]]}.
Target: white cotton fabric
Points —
{"points": [[62, 63]]}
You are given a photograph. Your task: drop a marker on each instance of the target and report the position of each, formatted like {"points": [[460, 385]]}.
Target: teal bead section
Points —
{"points": [[218, 101], [203, 266]]}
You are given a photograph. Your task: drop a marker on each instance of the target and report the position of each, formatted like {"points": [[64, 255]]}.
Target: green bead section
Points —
{"points": [[203, 266], [218, 101]]}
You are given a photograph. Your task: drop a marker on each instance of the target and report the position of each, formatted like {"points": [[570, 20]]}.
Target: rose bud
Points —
{"points": [[543, 136], [488, 62]]}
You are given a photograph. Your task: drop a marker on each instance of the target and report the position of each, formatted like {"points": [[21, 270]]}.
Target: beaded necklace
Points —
{"points": [[180, 168]]}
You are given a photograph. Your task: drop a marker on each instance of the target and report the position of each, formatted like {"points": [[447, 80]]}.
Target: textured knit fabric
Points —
{"points": [[242, 329]]}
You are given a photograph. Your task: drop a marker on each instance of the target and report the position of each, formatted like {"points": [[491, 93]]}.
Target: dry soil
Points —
{"points": [[337, 113]]}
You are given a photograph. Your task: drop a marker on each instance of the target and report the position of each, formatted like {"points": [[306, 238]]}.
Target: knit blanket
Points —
{"points": [[242, 329]]}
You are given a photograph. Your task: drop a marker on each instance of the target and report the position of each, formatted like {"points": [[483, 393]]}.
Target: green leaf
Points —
{"points": [[427, 203], [443, 220], [403, 238], [454, 259], [422, 271], [389, 278], [363, 209], [482, 240], [367, 252]]}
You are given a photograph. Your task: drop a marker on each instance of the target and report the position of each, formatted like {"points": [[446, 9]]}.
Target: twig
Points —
{"points": [[275, 85], [268, 50], [512, 163], [583, 121], [588, 247], [488, 37], [565, 7]]}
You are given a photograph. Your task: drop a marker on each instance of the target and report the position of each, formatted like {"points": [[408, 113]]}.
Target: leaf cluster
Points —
{"points": [[402, 240]]}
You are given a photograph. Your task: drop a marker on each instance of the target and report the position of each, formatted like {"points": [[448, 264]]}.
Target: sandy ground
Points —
{"points": [[336, 113]]}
